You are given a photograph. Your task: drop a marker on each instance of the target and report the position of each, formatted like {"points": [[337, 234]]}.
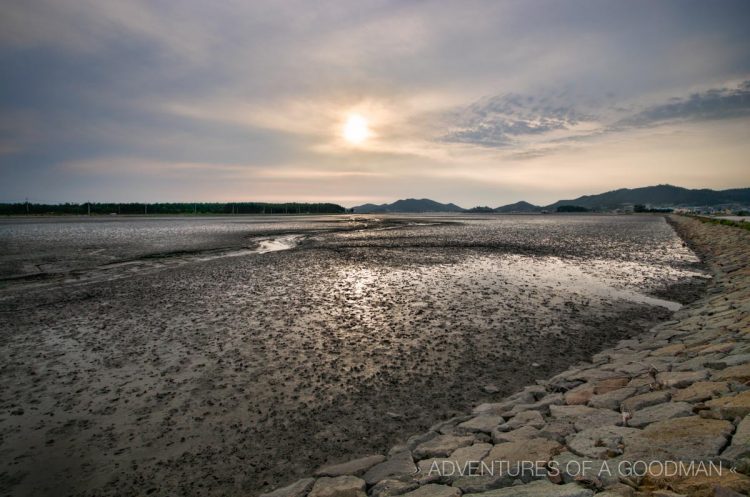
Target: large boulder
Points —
{"points": [[541, 488], [700, 391], [612, 399], [398, 465], [586, 417], [644, 400], [600, 443], [442, 446], [682, 439], [461, 462], [483, 423], [354, 467], [510, 454], [680, 379], [340, 486], [660, 412], [434, 491], [730, 407]]}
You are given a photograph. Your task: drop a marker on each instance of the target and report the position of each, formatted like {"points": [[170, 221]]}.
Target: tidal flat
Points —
{"points": [[230, 355]]}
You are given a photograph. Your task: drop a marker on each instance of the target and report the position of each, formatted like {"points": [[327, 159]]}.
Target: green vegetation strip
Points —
{"points": [[27, 208], [725, 222]]}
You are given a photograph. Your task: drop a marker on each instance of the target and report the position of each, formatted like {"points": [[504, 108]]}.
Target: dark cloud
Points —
{"points": [[497, 121], [718, 103]]}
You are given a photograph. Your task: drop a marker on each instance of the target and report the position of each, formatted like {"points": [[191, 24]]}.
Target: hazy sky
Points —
{"points": [[469, 102]]}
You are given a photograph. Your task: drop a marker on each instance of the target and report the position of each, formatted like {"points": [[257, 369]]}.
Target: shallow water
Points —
{"points": [[42, 245], [224, 356]]}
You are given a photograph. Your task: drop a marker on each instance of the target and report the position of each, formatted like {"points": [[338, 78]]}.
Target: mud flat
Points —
{"points": [[240, 359], [667, 413]]}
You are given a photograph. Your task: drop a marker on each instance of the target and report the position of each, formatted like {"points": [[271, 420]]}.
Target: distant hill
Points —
{"points": [[653, 196], [660, 195], [408, 205], [481, 209], [519, 207]]}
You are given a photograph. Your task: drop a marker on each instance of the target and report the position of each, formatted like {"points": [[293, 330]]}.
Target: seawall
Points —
{"points": [[665, 414]]}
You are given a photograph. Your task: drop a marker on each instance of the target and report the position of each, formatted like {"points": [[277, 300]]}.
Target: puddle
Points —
{"points": [[265, 245]]}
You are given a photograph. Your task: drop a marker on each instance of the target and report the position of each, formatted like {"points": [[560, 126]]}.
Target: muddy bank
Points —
{"points": [[232, 375]]}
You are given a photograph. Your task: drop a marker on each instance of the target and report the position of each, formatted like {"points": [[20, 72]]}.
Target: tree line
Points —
{"points": [[109, 208]]}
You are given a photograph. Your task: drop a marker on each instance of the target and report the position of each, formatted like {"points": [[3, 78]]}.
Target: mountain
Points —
{"points": [[408, 205], [660, 195], [519, 207], [654, 196]]}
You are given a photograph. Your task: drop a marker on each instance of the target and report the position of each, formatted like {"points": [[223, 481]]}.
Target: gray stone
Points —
{"points": [[496, 408], [575, 468], [447, 427], [696, 363], [540, 405], [739, 373], [729, 407], [523, 433], [680, 379], [434, 491], [613, 399], [659, 412], [638, 402], [511, 453], [484, 482], [670, 350], [397, 465], [542, 488], [483, 423], [442, 446], [557, 429], [339, 486], [420, 438], [392, 488], [633, 368], [600, 443], [682, 439], [461, 462], [617, 490], [535, 391], [736, 359], [580, 395], [586, 417], [354, 467], [644, 383], [525, 418], [560, 412], [524, 396], [592, 374], [700, 391], [740, 446], [627, 344], [297, 489]]}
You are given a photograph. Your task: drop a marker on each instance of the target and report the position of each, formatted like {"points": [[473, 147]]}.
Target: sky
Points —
{"points": [[476, 103]]}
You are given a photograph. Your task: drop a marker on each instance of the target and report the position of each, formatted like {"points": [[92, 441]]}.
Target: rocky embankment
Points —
{"points": [[666, 414]]}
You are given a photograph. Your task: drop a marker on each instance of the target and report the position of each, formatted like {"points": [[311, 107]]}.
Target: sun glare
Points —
{"points": [[356, 130]]}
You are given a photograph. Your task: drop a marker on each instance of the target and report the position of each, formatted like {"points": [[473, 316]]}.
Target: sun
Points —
{"points": [[356, 129]]}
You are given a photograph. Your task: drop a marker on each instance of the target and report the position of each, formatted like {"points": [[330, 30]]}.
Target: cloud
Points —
{"points": [[717, 103], [500, 120], [531, 127], [173, 95]]}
